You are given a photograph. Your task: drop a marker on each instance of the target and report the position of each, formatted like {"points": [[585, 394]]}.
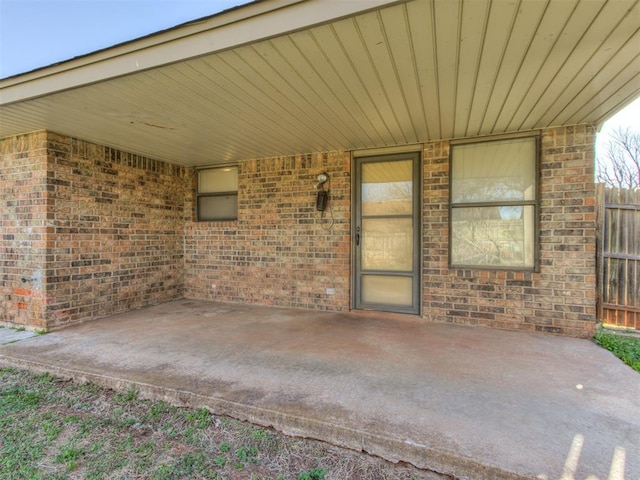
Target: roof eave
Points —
{"points": [[228, 29]]}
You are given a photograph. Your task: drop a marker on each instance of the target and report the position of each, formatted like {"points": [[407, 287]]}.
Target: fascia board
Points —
{"points": [[251, 23]]}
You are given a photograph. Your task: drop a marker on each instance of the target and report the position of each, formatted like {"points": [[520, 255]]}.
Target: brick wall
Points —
{"points": [[118, 230], [559, 299], [23, 230], [280, 251], [114, 230], [95, 231]]}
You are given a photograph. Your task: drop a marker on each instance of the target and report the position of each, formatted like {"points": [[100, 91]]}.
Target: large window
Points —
{"points": [[493, 204], [217, 195]]}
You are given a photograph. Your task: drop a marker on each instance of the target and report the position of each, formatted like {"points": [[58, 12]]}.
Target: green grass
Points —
{"points": [[626, 348], [52, 429], [313, 474]]}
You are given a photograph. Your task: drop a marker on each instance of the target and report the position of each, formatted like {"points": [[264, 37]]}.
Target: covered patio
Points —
{"points": [[101, 159], [465, 402]]}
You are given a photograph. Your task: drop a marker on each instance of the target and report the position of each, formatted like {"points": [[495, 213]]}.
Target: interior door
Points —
{"points": [[386, 233]]}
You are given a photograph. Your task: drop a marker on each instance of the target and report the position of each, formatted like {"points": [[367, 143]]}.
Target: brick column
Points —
{"points": [[566, 302], [92, 230], [24, 247]]}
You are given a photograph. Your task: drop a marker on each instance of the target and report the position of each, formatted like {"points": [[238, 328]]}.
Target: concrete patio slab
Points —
{"points": [[9, 335], [466, 402]]}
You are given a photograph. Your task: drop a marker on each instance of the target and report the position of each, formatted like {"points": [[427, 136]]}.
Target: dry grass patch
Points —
{"points": [[56, 429]]}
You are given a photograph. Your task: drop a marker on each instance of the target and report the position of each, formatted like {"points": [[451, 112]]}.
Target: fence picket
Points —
{"points": [[619, 256]]}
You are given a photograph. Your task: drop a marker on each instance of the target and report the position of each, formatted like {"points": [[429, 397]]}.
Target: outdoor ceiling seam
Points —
{"points": [[500, 64], [394, 54], [476, 51], [302, 130], [308, 109], [517, 45], [215, 100], [357, 75], [264, 120], [557, 77], [531, 97], [633, 65], [423, 38], [294, 40], [434, 46], [519, 73], [384, 63], [379, 78], [354, 108], [495, 43], [264, 116], [414, 65], [628, 98], [345, 128], [588, 78], [293, 109], [211, 123], [456, 71]]}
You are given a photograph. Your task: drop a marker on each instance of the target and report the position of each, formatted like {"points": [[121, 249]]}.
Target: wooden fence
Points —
{"points": [[619, 256]]}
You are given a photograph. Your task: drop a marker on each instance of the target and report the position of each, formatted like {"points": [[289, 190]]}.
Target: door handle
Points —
{"points": [[357, 236]]}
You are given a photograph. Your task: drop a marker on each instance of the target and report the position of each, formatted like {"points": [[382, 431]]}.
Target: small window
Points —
{"points": [[217, 194], [493, 204]]}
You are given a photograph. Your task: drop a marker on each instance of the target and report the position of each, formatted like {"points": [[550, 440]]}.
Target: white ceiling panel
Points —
{"points": [[592, 49], [392, 74]]}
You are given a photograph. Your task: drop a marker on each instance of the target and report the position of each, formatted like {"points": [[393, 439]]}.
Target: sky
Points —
{"points": [[629, 117], [38, 33]]}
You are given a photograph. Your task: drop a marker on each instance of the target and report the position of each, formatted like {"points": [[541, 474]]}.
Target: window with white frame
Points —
{"points": [[493, 204], [217, 194]]}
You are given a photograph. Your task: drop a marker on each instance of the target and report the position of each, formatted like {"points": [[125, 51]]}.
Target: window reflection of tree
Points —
{"points": [[493, 185], [486, 238], [387, 244]]}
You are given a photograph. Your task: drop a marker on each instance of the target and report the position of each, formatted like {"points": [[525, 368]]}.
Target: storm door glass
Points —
{"points": [[385, 233]]}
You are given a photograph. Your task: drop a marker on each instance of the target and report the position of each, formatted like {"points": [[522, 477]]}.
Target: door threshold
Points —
{"points": [[382, 315]]}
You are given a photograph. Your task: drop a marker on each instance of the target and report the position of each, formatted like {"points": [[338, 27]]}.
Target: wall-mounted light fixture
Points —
{"points": [[323, 177]]}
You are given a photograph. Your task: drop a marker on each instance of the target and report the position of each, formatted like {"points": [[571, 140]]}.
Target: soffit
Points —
{"points": [[401, 74]]}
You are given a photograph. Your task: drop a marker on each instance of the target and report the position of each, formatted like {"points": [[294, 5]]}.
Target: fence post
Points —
{"points": [[600, 216]]}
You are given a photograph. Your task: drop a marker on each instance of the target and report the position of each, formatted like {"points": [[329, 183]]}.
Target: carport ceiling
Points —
{"points": [[283, 77]]}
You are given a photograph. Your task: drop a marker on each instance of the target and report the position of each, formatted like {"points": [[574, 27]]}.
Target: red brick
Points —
{"points": [[98, 243]]}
